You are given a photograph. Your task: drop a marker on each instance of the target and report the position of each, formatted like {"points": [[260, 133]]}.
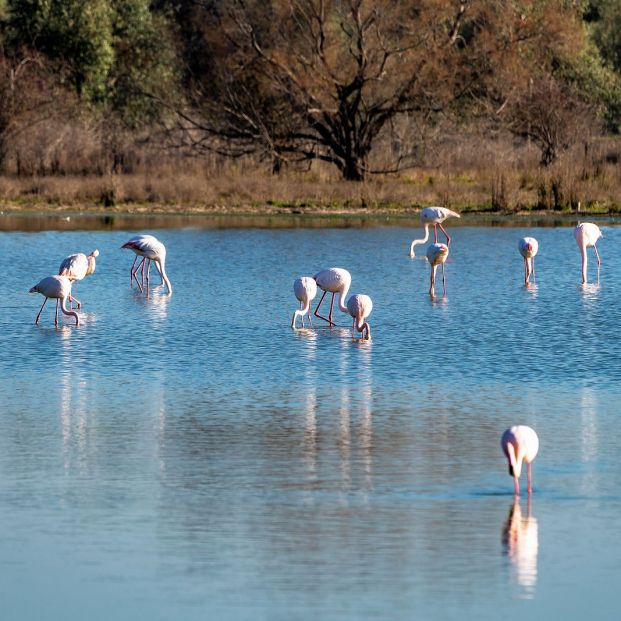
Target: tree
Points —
{"points": [[327, 79]]}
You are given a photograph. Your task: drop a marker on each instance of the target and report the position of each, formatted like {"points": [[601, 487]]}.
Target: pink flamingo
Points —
{"points": [[586, 235], [359, 307], [435, 216], [76, 267], [528, 247], [150, 249], [305, 289], [437, 255], [58, 287], [520, 444], [333, 280]]}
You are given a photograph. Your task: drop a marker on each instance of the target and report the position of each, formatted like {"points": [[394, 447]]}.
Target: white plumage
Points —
{"points": [[359, 306], [437, 255], [520, 444], [528, 247], [58, 287], [150, 249], [333, 280], [77, 267], [305, 290], [587, 234], [433, 216]]}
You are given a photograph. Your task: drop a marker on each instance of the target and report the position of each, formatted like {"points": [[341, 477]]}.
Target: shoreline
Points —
{"points": [[93, 217]]}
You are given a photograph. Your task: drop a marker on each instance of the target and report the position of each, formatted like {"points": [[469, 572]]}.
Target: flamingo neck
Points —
{"points": [[343, 297], [301, 312], [165, 277], [420, 241], [361, 325], [583, 252], [66, 311]]}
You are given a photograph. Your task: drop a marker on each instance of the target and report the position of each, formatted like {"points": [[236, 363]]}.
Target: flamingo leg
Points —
{"points": [[448, 238], [530, 480], [432, 280], [516, 486], [144, 263], [131, 272], [317, 309], [148, 272], [330, 315], [525, 271], [532, 268], [301, 307], [40, 311], [136, 271], [597, 255], [72, 299], [443, 280], [56, 317], [435, 233]]}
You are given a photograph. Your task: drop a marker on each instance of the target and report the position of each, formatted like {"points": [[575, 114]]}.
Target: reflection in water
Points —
{"points": [[591, 291], [155, 302], [588, 432], [520, 538], [73, 408], [532, 289]]}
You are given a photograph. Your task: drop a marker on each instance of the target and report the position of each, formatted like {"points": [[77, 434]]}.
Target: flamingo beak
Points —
{"points": [[511, 473]]}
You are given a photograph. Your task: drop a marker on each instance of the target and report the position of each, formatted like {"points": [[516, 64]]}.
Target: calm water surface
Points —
{"points": [[192, 457]]}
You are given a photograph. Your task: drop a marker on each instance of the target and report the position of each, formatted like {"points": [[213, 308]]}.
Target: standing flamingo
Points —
{"points": [[76, 267], [435, 216], [58, 287], [586, 235], [520, 443], [333, 280], [437, 255], [359, 306], [528, 247], [150, 249], [305, 289]]}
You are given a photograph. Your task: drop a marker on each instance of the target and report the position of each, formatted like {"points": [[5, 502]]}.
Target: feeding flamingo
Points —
{"points": [[586, 235], [520, 444], [58, 287], [437, 255], [305, 289], [76, 267], [435, 216], [359, 307], [333, 280], [528, 247], [150, 249]]}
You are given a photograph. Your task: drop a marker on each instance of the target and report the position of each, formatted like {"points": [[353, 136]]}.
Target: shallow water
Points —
{"points": [[192, 457]]}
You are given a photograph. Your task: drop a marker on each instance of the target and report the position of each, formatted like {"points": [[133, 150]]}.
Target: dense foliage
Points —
{"points": [[293, 81]]}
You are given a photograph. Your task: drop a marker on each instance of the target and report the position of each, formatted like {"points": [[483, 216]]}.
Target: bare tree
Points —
{"points": [[551, 114]]}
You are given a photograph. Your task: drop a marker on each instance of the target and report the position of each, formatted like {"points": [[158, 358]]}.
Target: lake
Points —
{"points": [[193, 457]]}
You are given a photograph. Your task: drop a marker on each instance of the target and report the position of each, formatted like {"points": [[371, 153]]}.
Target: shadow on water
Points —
{"points": [[32, 221]]}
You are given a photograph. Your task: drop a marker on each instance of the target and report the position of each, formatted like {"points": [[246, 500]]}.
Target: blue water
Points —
{"points": [[193, 457]]}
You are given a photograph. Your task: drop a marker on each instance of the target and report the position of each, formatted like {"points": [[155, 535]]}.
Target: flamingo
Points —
{"points": [[528, 247], [586, 235], [58, 287], [437, 255], [305, 289], [359, 306], [435, 216], [76, 267], [333, 280], [520, 443], [150, 249]]}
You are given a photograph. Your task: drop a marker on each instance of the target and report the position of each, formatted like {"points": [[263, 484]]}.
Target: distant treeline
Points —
{"points": [[364, 86]]}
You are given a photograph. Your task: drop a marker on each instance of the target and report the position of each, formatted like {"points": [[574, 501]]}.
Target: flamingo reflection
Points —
{"points": [[520, 539]]}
